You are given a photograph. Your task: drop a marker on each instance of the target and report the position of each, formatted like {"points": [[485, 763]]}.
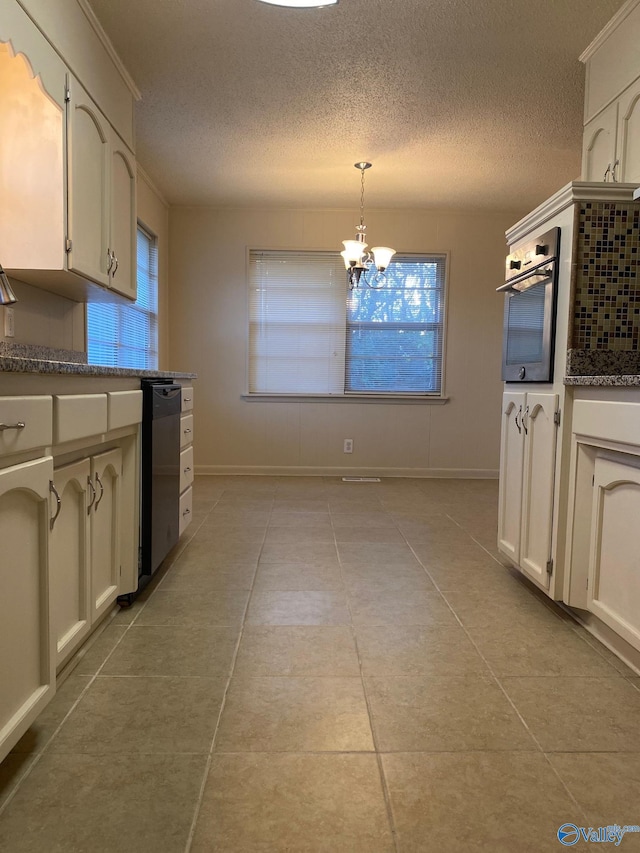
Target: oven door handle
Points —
{"points": [[524, 282]]}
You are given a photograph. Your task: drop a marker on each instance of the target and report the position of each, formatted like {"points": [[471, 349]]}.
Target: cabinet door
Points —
{"points": [[69, 558], [106, 469], [538, 480], [27, 667], [88, 147], [510, 489], [599, 145], [123, 277], [629, 135], [614, 564]]}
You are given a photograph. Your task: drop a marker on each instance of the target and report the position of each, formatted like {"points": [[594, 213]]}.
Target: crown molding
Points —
{"points": [[622, 13], [569, 194], [108, 46], [151, 184]]}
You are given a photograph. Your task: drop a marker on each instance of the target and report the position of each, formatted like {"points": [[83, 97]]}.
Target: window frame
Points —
{"points": [[376, 397]]}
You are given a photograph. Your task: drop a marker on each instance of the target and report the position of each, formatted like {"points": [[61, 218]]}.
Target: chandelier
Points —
{"points": [[357, 260]]}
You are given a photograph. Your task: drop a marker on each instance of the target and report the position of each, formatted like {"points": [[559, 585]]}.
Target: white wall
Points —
{"points": [[45, 319], [208, 335]]}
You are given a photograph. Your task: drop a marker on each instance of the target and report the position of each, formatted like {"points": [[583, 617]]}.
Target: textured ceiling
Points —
{"points": [[458, 103]]}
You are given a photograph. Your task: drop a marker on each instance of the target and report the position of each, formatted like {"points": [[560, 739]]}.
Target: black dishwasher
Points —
{"points": [[160, 476]]}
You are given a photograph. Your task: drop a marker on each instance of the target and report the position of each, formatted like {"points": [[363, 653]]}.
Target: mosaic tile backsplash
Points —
{"points": [[606, 308]]}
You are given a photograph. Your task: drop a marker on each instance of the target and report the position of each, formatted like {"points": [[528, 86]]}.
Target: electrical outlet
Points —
{"points": [[9, 330], [348, 445]]}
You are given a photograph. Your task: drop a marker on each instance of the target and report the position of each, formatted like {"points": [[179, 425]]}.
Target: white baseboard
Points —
{"points": [[318, 471]]}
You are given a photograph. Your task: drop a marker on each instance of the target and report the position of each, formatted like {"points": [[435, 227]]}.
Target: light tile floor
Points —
{"points": [[324, 666]]}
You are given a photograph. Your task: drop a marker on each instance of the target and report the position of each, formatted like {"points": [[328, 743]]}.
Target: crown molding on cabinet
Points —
{"points": [[108, 46], [622, 13], [569, 194]]}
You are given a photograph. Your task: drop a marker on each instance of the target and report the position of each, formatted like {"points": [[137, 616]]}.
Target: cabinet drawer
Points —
{"points": [[187, 398], [78, 416], [186, 430], [35, 413], [186, 468], [124, 408], [186, 510]]}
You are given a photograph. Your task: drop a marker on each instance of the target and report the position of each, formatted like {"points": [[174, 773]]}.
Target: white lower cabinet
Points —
{"points": [[104, 508], [69, 556], [527, 474], [27, 665], [84, 546], [186, 459], [613, 592]]}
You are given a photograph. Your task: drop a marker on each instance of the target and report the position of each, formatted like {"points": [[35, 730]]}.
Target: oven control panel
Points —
{"points": [[538, 252]]}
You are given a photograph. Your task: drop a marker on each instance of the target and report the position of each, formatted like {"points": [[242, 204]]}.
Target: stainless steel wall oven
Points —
{"points": [[530, 310]]}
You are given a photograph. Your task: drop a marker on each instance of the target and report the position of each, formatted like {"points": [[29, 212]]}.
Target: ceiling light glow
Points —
{"points": [[301, 4]]}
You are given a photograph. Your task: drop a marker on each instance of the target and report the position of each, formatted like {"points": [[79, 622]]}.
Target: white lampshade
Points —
{"points": [[353, 250], [382, 256], [345, 259], [301, 4]]}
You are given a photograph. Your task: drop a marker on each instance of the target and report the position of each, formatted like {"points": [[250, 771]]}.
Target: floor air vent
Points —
{"points": [[361, 479]]}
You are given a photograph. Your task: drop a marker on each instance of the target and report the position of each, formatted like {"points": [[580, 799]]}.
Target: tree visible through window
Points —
{"points": [[310, 335], [126, 335]]}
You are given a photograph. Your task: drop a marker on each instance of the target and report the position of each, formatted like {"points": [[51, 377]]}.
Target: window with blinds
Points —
{"points": [[309, 334], [120, 335]]}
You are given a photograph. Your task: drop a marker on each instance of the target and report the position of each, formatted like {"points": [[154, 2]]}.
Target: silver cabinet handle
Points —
{"points": [[525, 417], [19, 425], [518, 415], [93, 494], [109, 260], [54, 491], [186, 399], [99, 481], [614, 176], [117, 264], [186, 512], [187, 430]]}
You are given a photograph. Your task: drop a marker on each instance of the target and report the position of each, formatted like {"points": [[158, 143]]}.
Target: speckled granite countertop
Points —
{"points": [[16, 358], [604, 381], [67, 368]]}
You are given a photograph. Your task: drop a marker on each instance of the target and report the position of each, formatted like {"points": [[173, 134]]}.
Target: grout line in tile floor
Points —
{"points": [[499, 683], [205, 777], [374, 736]]}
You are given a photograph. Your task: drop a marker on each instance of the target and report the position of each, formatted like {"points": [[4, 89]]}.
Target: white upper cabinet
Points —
{"points": [[628, 136], [71, 184], [88, 157], [101, 196], [599, 146], [611, 143], [123, 221]]}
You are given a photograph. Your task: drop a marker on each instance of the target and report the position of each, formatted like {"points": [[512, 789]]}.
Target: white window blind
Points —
{"points": [[296, 323], [126, 335], [309, 334]]}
